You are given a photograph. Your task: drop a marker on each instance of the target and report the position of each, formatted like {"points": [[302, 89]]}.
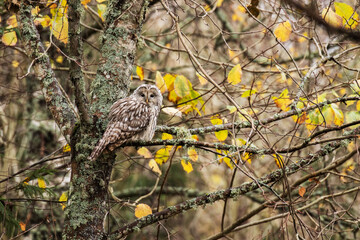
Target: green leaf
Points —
{"points": [[328, 113], [182, 86], [352, 116]]}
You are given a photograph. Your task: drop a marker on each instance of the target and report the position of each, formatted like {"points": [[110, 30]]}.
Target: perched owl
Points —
{"points": [[131, 118]]}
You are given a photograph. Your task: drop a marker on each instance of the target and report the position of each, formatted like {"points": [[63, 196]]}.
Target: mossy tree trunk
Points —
{"points": [[87, 203], [88, 196]]}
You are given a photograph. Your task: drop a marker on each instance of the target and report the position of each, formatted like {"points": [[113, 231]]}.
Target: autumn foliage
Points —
{"points": [[257, 137]]}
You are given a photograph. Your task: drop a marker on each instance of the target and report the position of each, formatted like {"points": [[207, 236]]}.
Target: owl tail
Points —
{"points": [[97, 150]]}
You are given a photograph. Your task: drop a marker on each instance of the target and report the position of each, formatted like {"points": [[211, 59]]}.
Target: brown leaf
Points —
{"points": [[302, 191]]}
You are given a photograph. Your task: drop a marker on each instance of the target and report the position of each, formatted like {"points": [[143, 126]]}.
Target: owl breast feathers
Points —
{"points": [[131, 118]]}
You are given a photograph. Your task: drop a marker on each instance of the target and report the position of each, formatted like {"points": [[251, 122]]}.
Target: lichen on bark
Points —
{"points": [[88, 196]]}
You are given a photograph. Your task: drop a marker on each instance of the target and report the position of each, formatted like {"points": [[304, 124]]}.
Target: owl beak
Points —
{"points": [[147, 101]]}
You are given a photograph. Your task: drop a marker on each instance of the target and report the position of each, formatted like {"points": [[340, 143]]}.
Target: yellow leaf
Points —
{"points": [[187, 166], [234, 76], [9, 38], [338, 115], [66, 148], [202, 80], [331, 17], [231, 53], [207, 8], [143, 151], [15, 63], [304, 38], [228, 162], [101, 8], [282, 31], [278, 160], [221, 135], [44, 21], [302, 191], [100, 1], [142, 210], [219, 156], [41, 183], [154, 167], [350, 19], [193, 154], [248, 93], [35, 11], [63, 198], [22, 226], [59, 59], [60, 22], [358, 105], [328, 113], [246, 157], [219, 3], [160, 82], [283, 101], [195, 137], [299, 119], [241, 9], [166, 136], [12, 22], [140, 72], [172, 96], [26, 180], [85, 2], [240, 142], [162, 155], [169, 80], [215, 120], [182, 86]]}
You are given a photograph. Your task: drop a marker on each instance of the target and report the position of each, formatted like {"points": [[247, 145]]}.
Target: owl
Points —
{"points": [[131, 118]]}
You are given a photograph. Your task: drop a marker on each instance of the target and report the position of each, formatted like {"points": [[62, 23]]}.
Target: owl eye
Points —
{"points": [[152, 95], [142, 95]]}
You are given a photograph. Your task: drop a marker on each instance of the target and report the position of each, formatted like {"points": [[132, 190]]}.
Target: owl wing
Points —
{"points": [[127, 117]]}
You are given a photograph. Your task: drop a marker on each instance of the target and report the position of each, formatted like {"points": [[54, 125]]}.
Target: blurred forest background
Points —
{"points": [[257, 137]]}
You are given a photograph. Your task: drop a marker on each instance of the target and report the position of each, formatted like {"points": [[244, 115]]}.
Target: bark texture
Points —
{"points": [[87, 205]]}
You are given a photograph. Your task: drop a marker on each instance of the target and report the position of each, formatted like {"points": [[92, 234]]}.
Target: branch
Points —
{"points": [[238, 222], [313, 14], [139, 191], [76, 62], [246, 124], [56, 99], [230, 192]]}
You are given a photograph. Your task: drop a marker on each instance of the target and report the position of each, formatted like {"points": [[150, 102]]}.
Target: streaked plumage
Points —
{"points": [[131, 118]]}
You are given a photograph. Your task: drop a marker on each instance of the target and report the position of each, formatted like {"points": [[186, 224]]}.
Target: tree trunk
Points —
{"points": [[87, 205]]}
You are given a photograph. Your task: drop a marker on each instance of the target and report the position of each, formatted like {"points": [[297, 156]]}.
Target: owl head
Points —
{"points": [[149, 94]]}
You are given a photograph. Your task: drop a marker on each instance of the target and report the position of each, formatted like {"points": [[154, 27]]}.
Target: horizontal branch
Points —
{"points": [[246, 124], [56, 99], [230, 192], [140, 191]]}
